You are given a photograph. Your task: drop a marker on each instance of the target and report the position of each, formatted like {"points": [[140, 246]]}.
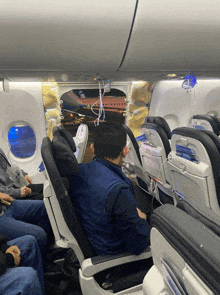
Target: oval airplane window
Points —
{"points": [[22, 141]]}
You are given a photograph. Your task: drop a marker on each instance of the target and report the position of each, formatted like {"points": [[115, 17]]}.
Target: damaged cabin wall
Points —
{"points": [[51, 101], [138, 106]]}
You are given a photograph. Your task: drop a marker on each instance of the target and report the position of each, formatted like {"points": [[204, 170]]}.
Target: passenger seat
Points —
{"points": [[193, 165], [154, 152], [186, 254], [206, 122]]}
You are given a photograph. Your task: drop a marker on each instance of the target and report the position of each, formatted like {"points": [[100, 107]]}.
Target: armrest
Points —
{"points": [[96, 264], [47, 189]]}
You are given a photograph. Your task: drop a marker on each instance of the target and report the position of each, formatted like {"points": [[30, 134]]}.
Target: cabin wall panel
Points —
{"points": [[23, 104], [177, 105]]}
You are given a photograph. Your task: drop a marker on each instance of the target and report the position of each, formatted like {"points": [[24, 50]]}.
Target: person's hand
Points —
{"points": [[25, 191], [141, 214], [14, 250], [6, 199], [28, 179]]}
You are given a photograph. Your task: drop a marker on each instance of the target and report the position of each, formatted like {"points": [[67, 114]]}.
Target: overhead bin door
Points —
{"points": [[85, 35], [174, 35]]}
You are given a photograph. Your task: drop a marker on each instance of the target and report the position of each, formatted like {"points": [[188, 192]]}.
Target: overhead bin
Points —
{"points": [[174, 35], [64, 35]]}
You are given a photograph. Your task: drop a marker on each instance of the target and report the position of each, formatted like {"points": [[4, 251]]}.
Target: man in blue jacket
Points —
{"points": [[104, 197]]}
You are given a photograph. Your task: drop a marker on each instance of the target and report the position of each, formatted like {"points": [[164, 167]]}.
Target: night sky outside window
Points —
{"points": [[22, 141]]}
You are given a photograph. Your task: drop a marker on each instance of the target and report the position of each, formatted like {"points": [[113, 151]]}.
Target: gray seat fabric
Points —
{"points": [[132, 163], [214, 138], [60, 130], [134, 142], [216, 121], [201, 213], [186, 255], [78, 143], [160, 121], [205, 122]]}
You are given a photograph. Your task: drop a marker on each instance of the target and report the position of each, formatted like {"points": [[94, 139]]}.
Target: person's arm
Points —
{"points": [[6, 199], [14, 192], [6, 259], [134, 230], [27, 177]]}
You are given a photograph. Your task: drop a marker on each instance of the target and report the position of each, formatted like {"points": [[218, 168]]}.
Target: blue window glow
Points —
{"points": [[22, 141], [41, 167]]}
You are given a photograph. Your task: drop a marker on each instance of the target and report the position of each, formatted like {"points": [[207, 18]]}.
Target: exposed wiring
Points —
{"points": [[101, 107]]}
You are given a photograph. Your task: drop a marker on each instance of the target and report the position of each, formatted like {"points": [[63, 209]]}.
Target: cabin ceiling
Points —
{"points": [[122, 40]]}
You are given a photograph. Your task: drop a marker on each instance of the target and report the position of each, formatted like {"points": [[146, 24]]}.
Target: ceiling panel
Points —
{"points": [[174, 36], [64, 35]]}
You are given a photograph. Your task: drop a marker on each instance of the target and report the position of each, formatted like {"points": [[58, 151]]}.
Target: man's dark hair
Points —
{"points": [[109, 140]]}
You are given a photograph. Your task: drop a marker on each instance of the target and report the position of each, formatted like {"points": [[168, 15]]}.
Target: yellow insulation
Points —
{"points": [[137, 110], [135, 121], [53, 113], [50, 94], [51, 103], [141, 91]]}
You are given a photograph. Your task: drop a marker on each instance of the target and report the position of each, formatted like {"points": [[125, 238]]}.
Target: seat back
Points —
{"points": [[216, 121], [161, 122], [214, 138], [133, 156], [204, 122], [132, 163], [61, 131], [193, 164], [186, 255], [154, 151], [60, 162], [77, 143], [81, 140], [201, 213]]}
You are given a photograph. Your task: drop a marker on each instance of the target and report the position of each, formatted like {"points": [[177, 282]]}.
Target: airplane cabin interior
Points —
{"points": [[66, 66]]}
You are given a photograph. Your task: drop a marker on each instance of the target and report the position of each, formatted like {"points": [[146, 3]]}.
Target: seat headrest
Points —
{"points": [[60, 130], [161, 122], [213, 136], [211, 121], [210, 147], [216, 121], [64, 157], [201, 213], [161, 132]]}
